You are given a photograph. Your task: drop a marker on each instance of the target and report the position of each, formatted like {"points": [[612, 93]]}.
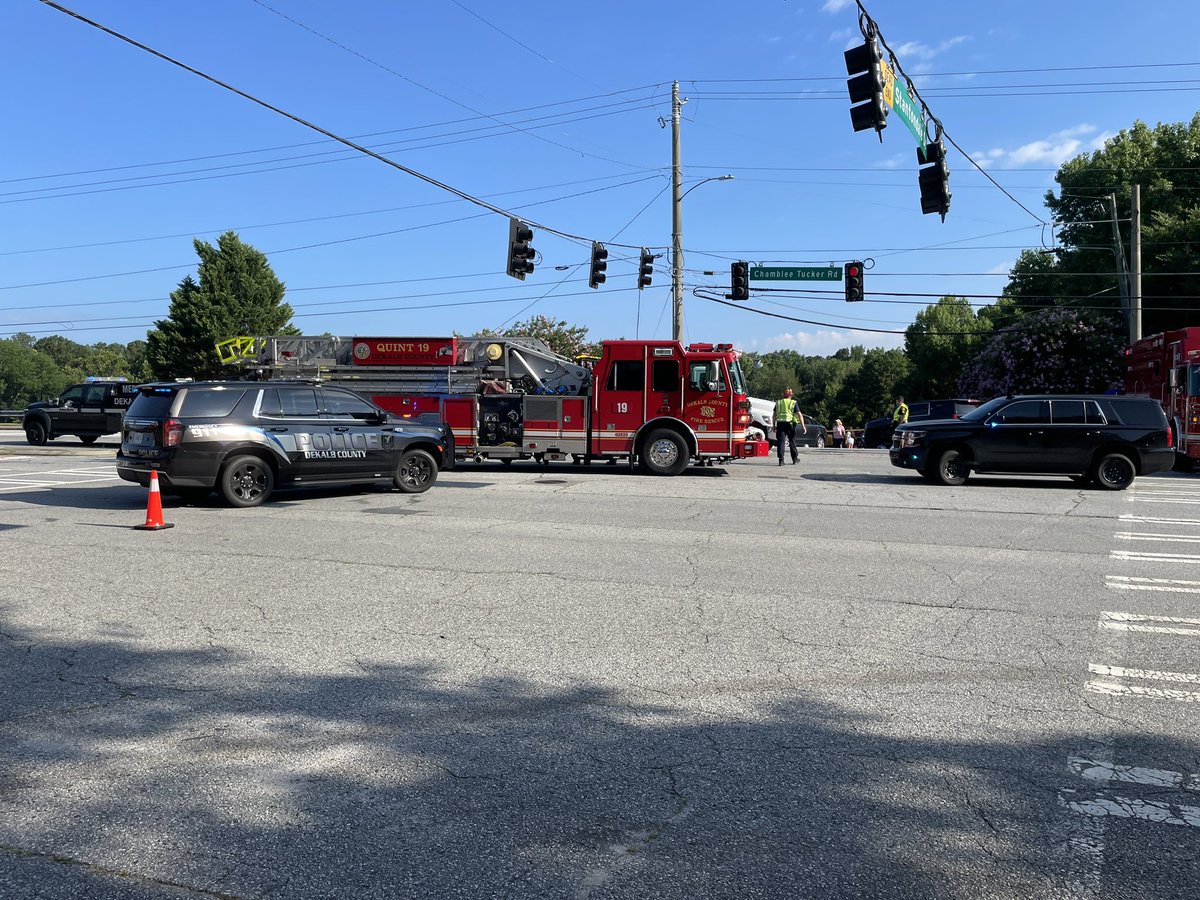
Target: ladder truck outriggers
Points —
{"points": [[657, 404]]}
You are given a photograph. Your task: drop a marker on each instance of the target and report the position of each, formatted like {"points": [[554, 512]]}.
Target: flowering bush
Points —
{"points": [[1053, 351]]}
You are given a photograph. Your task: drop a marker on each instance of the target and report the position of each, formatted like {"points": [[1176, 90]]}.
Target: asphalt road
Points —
{"points": [[828, 680]]}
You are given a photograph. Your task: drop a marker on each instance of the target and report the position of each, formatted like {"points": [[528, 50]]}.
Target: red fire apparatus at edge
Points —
{"points": [[657, 403], [1167, 367]]}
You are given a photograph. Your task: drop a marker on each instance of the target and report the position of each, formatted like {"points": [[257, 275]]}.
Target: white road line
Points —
{"points": [[1150, 536], [1120, 621], [1145, 674], [1166, 585], [1105, 806], [14, 458], [1111, 689], [1143, 556], [1155, 521], [1156, 500], [1095, 770]]}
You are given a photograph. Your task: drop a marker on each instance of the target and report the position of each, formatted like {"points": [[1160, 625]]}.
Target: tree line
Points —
{"points": [[1058, 325]]}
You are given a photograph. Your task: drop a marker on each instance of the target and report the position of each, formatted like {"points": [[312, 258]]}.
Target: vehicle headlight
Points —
{"points": [[912, 438]]}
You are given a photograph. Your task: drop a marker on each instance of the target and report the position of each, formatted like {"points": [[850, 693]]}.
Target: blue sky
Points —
{"points": [[114, 160]]}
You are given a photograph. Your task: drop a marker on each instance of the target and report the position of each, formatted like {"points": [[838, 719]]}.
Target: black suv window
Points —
{"points": [[289, 402], [93, 395], [210, 404], [345, 404], [1025, 412], [152, 403], [1067, 412], [1135, 411], [72, 395], [919, 411]]}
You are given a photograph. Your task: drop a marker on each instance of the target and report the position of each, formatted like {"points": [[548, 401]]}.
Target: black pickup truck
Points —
{"points": [[88, 411]]}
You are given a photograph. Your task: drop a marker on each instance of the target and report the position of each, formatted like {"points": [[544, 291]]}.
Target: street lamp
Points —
{"points": [[677, 253]]}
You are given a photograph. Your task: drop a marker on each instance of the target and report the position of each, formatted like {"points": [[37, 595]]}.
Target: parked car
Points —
{"points": [[89, 411], [1099, 439], [877, 433], [244, 438], [762, 419]]}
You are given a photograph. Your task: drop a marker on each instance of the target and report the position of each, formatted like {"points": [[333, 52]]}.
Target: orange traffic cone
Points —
{"points": [[154, 513]]}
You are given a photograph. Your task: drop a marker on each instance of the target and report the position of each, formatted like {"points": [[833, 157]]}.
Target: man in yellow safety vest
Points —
{"points": [[787, 414]]}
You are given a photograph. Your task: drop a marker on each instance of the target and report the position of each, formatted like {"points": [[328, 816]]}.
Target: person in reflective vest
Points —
{"points": [[787, 414]]}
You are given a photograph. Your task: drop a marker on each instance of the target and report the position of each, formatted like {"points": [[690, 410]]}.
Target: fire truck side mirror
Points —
{"points": [[1173, 377]]}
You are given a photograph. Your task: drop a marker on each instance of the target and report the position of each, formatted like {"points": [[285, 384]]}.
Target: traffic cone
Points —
{"points": [[154, 513]]}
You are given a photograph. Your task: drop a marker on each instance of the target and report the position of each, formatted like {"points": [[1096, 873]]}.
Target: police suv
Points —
{"points": [[245, 438], [87, 411]]}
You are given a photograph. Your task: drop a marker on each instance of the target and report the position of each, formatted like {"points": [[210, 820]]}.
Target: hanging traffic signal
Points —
{"points": [[520, 253], [739, 281], [869, 107], [854, 281], [599, 265], [645, 269], [934, 179]]}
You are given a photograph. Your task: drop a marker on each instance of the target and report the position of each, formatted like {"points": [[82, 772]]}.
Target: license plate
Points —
{"points": [[141, 438]]}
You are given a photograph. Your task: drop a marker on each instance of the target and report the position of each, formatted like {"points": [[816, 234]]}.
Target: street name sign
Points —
{"points": [[796, 273]]}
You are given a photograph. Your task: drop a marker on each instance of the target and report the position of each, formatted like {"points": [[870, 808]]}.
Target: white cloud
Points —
{"points": [[843, 34], [1002, 269], [893, 162], [1053, 150], [824, 343], [833, 6], [917, 50]]}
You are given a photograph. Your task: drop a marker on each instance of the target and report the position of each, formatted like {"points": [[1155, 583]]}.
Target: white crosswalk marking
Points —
{"points": [[1122, 621], [1100, 805], [1112, 689], [1098, 770], [1157, 521], [1165, 585], [1150, 536], [1145, 674], [1137, 556]]}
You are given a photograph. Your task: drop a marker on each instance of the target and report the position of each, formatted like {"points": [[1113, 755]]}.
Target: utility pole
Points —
{"points": [[676, 220], [1135, 263], [1122, 268]]}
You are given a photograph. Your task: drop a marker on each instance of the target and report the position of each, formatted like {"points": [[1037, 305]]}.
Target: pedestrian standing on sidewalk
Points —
{"points": [[787, 414], [839, 434]]}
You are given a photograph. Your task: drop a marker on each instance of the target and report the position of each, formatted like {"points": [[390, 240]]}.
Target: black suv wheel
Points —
{"points": [[950, 469], [1114, 472], [35, 433], [417, 472], [246, 481]]}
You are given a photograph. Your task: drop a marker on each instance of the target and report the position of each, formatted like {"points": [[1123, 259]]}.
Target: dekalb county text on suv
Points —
{"points": [[1102, 439], [245, 438]]}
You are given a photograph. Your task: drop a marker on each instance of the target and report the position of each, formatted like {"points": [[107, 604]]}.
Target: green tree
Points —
{"points": [[1048, 352], [27, 374], [869, 394], [237, 294], [1165, 161], [939, 343], [560, 336]]}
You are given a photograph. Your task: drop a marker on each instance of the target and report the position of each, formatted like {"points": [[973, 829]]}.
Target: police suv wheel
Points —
{"points": [[416, 473], [1114, 472], [35, 433], [246, 481], [88, 439], [664, 453]]}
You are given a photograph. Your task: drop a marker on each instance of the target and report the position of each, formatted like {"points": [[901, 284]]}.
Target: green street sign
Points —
{"points": [[795, 273], [908, 111]]}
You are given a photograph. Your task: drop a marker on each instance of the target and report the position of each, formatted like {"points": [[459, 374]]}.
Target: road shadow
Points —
{"points": [[228, 776]]}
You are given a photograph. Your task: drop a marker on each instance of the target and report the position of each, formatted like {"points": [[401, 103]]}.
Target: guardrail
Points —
{"points": [[11, 415]]}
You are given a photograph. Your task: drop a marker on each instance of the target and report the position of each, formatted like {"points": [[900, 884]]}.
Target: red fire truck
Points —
{"points": [[1167, 367], [656, 403]]}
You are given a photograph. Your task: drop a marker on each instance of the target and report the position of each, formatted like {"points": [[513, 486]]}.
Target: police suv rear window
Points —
{"points": [[210, 404], [152, 403]]}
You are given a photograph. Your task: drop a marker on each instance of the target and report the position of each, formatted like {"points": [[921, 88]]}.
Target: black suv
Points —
{"points": [[877, 433], [1095, 438], [87, 411], [245, 438]]}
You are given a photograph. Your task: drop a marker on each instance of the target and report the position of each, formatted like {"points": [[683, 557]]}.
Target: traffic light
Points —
{"points": [[645, 269], [854, 281], [866, 65], [739, 281], [520, 253], [934, 179], [599, 265]]}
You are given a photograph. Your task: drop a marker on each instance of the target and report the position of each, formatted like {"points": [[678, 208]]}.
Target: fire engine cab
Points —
{"points": [[656, 403], [1167, 367]]}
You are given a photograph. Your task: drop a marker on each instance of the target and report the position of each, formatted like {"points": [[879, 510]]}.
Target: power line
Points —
{"points": [[957, 74], [317, 128]]}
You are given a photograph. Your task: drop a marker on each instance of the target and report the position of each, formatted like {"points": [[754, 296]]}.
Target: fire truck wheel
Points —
{"points": [[1114, 472], [664, 453], [416, 473]]}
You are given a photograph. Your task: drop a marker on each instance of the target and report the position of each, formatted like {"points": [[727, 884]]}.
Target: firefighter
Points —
{"points": [[900, 416], [787, 414]]}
